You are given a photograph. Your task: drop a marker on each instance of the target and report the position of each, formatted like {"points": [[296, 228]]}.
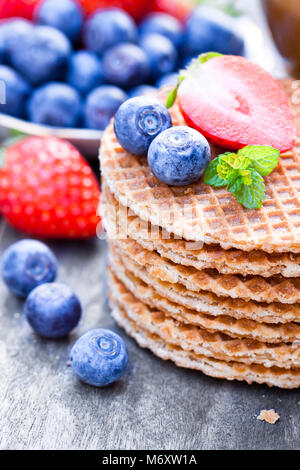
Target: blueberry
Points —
{"points": [[138, 121], [161, 53], [179, 156], [209, 29], [99, 357], [15, 90], [55, 104], [163, 24], [65, 15], [101, 104], [142, 90], [107, 28], [169, 79], [52, 310], [85, 71], [43, 55], [12, 34], [27, 264], [125, 65]]}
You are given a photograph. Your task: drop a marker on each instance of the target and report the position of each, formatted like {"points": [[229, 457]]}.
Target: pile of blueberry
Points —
{"points": [[29, 267], [177, 155], [69, 71]]}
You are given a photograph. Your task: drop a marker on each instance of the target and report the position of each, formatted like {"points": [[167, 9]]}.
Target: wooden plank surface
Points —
{"points": [[154, 406]]}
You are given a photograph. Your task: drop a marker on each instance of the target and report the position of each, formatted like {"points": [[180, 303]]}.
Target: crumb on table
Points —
{"points": [[270, 416]]}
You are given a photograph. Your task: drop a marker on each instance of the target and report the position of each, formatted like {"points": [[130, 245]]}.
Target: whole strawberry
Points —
{"points": [[48, 190], [17, 8], [136, 8], [178, 8]]}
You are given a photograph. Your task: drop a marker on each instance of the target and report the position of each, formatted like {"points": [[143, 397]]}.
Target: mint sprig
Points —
{"points": [[263, 158], [201, 59], [243, 172]]}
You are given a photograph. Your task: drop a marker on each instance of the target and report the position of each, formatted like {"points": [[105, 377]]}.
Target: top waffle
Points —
{"points": [[202, 213], [121, 223]]}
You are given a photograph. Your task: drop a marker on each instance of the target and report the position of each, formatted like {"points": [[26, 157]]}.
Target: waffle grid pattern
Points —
{"points": [[122, 223], [229, 304]]}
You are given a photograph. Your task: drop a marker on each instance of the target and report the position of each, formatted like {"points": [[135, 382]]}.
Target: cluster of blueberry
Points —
{"points": [[65, 71], [29, 267], [177, 155]]}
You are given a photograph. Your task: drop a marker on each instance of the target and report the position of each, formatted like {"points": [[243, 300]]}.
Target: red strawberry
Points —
{"points": [[47, 189], [179, 8], [136, 8], [235, 103], [21, 8]]}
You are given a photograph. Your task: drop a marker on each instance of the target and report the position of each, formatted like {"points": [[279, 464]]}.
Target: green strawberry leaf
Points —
{"points": [[172, 96], [201, 59], [263, 158], [212, 177], [206, 56], [228, 6], [250, 195], [13, 138]]}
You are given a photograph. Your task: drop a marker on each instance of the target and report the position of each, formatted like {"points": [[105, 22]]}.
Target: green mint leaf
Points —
{"points": [[237, 162], [243, 172], [250, 195], [230, 162], [263, 158], [211, 176], [224, 167], [246, 176]]}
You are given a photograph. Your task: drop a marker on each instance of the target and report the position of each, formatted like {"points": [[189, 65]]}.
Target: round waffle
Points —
{"points": [[272, 376], [206, 301], [122, 223], [206, 214], [233, 327], [272, 289], [192, 338]]}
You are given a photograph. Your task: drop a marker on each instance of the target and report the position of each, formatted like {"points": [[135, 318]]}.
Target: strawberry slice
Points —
{"points": [[235, 103]]}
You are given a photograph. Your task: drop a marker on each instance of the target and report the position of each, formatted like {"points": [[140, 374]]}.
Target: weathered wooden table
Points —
{"points": [[154, 406]]}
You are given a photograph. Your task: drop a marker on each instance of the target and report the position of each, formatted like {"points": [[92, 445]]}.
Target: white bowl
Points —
{"points": [[86, 140]]}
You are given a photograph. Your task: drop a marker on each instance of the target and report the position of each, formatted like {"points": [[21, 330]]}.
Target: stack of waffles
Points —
{"points": [[197, 278]]}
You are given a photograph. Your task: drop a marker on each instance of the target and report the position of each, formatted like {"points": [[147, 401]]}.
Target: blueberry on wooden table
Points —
{"points": [[52, 310], [99, 357], [27, 264]]}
